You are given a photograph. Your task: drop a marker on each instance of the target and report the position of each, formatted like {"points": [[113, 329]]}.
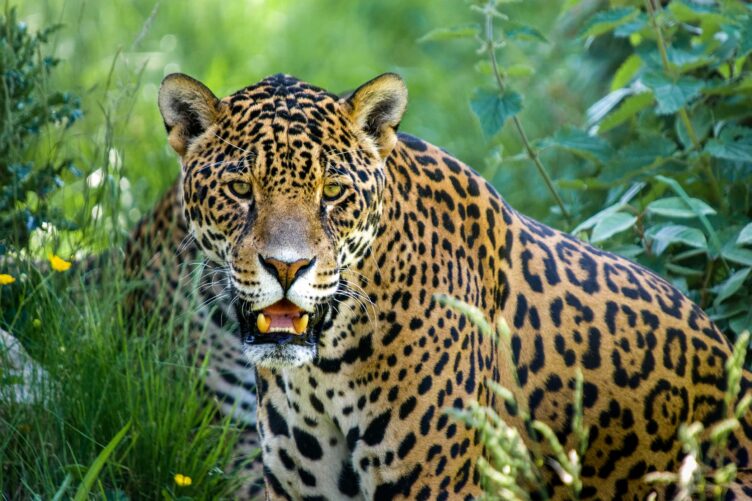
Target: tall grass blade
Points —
{"points": [[82, 494]]}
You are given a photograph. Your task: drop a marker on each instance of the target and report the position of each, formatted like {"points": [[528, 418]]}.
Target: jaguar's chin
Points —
{"points": [[280, 335]]}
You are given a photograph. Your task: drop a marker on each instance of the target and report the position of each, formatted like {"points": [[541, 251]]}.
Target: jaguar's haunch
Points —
{"points": [[330, 234]]}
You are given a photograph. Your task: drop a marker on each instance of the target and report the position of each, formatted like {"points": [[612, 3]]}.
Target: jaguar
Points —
{"points": [[325, 236]]}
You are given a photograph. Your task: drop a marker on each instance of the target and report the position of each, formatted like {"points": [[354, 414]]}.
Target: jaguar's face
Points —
{"points": [[282, 185]]}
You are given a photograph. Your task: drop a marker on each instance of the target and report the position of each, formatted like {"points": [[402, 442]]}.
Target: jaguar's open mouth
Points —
{"points": [[280, 323]]}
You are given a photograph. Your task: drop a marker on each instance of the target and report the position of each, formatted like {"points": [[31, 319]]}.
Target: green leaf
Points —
{"points": [[626, 72], [676, 207], [630, 251], [469, 30], [493, 109], [677, 233], [745, 46], [734, 143], [603, 22], [728, 310], [581, 143], [82, 494], [745, 237], [611, 225], [728, 288], [634, 26], [702, 122], [677, 188], [630, 107], [683, 270], [737, 255], [519, 31], [604, 105], [643, 153], [672, 96], [687, 60], [689, 11], [519, 70], [596, 218]]}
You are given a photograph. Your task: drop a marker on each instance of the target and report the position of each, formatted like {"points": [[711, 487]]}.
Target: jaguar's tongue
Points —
{"points": [[282, 316]]}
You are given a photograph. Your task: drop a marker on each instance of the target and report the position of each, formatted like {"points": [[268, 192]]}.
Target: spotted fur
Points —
{"points": [[360, 415]]}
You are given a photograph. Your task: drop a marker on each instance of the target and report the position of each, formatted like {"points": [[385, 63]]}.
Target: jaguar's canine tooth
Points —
{"points": [[300, 324], [263, 323]]}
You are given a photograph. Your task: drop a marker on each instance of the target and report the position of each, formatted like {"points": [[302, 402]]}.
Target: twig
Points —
{"points": [[683, 116], [490, 46]]}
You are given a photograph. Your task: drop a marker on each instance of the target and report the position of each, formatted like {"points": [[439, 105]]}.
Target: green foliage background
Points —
{"points": [[649, 149], [336, 44]]}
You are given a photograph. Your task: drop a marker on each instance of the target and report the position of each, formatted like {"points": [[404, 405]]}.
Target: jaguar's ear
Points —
{"points": [[188, 108], [377, 106]]}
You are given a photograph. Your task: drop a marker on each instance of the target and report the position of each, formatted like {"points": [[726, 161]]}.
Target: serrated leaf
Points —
{"points": [[494, 109], [519, 31], [691, 11], [632, 27], [675, 207], [643, 153], [630, 107], [452, 33], [671, 96], [745, 236], [733, 144], [605, 21], [702, 122], [611, 225], [677, 233], [581, 143], [626, 72], [728, 287], [687, 60], [737, 255]]}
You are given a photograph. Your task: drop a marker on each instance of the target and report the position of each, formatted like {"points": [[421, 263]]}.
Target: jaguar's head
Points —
{"points": [[283, 185]]}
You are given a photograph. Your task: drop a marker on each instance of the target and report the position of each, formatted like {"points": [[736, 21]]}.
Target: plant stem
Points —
{"points": [[532, 153], [683, 115]]}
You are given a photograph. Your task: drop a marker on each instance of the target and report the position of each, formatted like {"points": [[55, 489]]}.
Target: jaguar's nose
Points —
{"points": [[285, 272]]}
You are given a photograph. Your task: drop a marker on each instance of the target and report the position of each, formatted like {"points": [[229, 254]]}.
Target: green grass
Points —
{"points": [[106, 374]]}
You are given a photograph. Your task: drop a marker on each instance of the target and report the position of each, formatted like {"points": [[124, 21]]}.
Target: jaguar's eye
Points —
{"points": [[241, 189], [332, 191]]}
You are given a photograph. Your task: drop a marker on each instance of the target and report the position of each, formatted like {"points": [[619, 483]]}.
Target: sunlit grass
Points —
{"points": [[106, 371]]}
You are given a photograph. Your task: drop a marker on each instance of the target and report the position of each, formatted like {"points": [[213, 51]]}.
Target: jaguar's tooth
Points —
{"points": [[263, 323], [300, 323]]}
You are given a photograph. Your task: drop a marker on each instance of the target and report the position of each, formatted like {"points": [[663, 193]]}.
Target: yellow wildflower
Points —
{"points": [[6, 279], [183, 480], [59, 264]]}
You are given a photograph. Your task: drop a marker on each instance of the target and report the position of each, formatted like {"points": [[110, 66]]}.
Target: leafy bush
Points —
{"points": [[27, 107], [676, 150], [661, 171], [122, 414]]}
